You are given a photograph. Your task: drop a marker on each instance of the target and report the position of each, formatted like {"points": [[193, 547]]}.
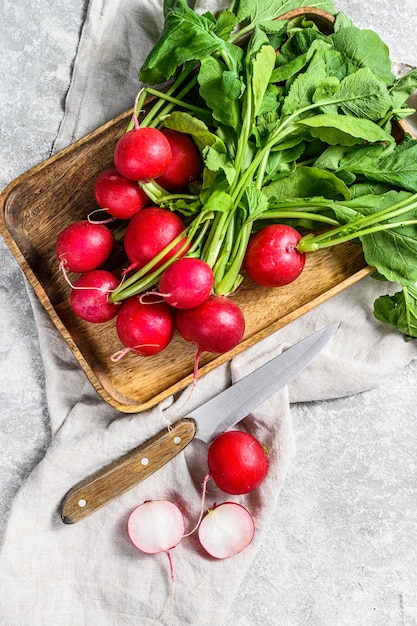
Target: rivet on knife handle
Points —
{"points": [[112, 481]]}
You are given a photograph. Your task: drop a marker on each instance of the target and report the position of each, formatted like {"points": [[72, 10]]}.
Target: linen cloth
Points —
{"points": [[90, 573]]}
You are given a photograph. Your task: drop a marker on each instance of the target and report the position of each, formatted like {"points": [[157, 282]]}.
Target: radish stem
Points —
{"points": [[360, 226], [203, 500]]}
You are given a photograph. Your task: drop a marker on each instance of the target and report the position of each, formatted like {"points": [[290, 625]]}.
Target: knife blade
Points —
{"points": [[206, 422]]}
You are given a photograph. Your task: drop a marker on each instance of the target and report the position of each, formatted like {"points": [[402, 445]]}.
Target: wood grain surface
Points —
{"points": [[113, 480]]}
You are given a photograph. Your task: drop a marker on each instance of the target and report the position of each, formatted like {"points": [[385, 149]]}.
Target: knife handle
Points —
{"points": [[112, 481]]}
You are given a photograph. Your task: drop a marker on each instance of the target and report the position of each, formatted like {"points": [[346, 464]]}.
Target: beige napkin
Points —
{"points": [[89, 573]]}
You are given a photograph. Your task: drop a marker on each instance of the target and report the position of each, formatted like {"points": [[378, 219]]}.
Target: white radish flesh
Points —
{"points": [[226, 530], [156, 526]]}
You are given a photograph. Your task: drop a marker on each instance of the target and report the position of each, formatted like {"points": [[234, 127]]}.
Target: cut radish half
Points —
{"points": [[226, 530], [155, 526]]}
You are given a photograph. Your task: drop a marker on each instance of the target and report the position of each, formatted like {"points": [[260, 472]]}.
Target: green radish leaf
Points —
{"points": [[270, 102], [264, 10], [219, 161], [283, 161], [262, 67], [213, 88], [232, 84], [226, 22], [345, 130], [276, 32], [186, 37], [365, 48], [331, 157], [218, 201], [338, 65], [258, 39], [304, 41], [396, 167], [399, 310], [403, 88], [304, 86], [186, 123], [391, 252], [326, 89], [255, 202], [363, 95], [290, 69], [307, 182], [341, 21], [359, 189], [185, 207]]}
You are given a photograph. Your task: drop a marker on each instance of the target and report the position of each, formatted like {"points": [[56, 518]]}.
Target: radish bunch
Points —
{"points": [[163, 252], [177, 257], [180, 256], [155, 242]]}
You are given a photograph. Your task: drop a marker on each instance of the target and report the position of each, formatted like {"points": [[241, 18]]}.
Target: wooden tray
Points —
{"points": [[41, 202], [59, 191]]}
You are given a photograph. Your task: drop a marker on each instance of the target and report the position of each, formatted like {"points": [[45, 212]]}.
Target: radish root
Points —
{"points": [[116, 356], [178, 407], [203, 500], [106, 221], [143, 297], [172, 592]]}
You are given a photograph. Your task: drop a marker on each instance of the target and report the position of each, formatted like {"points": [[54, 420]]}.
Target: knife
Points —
{"points": [[205, 423]]}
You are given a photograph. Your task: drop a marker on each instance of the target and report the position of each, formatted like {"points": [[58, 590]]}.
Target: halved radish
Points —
{"points": [[226, 530], [155, 526]]}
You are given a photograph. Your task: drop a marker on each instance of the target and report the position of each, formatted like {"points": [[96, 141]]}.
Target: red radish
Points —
{"points": [[237, 462], [117, 259], [121, 197], [217, 325], [226, 530], [83, 246], [186, 163], [144, 329], [186, 283], [89, 298], [142, 154], [148, 233], [272, 258]]}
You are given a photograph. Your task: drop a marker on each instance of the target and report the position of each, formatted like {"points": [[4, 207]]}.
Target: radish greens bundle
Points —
{"points": [[295, 123]]}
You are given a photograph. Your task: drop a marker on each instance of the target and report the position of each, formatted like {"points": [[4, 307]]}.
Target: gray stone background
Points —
{"points": [[342, 546]]}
